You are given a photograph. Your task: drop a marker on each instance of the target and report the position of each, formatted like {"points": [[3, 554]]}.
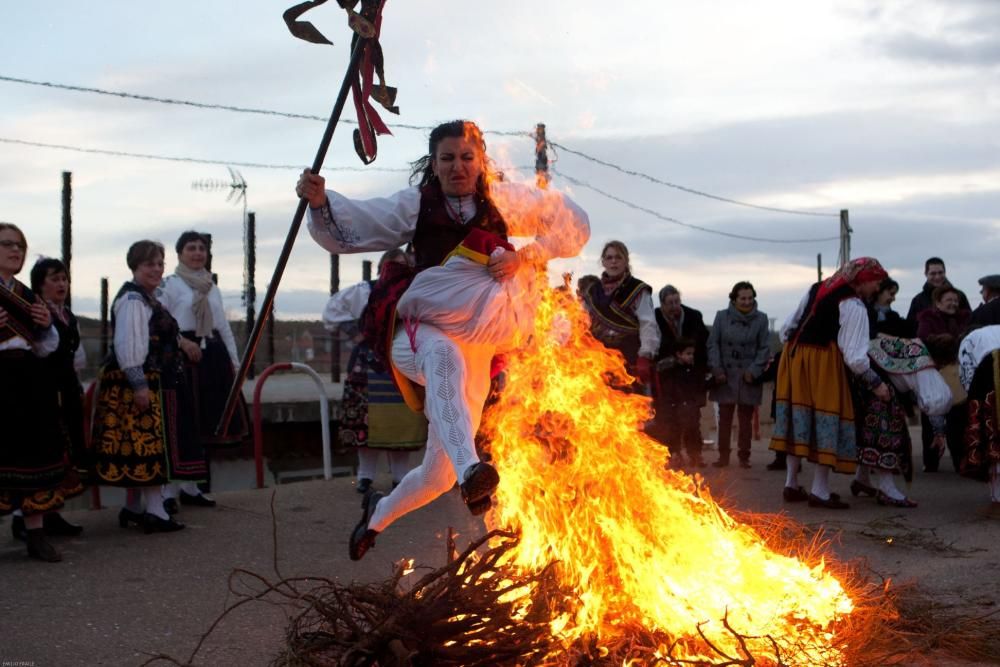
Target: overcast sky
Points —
{"points": [[889, 110]]}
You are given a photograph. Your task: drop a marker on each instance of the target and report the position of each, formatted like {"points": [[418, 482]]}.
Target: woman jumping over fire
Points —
{"points": [[457, 191]]}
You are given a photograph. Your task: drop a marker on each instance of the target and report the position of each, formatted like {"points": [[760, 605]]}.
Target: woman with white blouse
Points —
{"points": [[144, 431], [194, 300], [33, 446]]}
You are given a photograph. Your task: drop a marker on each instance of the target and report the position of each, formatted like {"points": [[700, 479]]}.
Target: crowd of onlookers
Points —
{"points": [[845, 338], [159, 393], [162, 387]]}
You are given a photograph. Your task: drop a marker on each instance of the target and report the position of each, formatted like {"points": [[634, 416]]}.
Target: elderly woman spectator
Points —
{"points": [[145, 434], [621, 312], [940, 326], [738, 351], [33, 466]]}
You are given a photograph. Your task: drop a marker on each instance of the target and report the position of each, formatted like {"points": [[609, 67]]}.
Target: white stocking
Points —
{"points": [[821, 482], [792, 472], [457, 378], [191, 488], [399, 465], [367, 463], [154, 502], [887, 484], [170, 490]]}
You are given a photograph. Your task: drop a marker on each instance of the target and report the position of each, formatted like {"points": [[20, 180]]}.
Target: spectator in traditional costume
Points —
{"points": [[33, 450], [145, 433], [935, 273], [621, 312], [940, 326], [457, 192], [814, 411], [50, 281], [979, 361], [885, 320], [884, 448], [988, 313], [738, 351], [193, 299], [374, 416]]}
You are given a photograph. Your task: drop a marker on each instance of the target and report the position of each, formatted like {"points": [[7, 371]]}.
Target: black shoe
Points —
{"points": [[480, 481], [832, 503], [721, 463], [794, 495], [363, 485], [171, 507], [40, 549], [17, 528], [857, 488], [154, 524], [198, 500], [363, 538], [55, 524], [127, 516], [777, 464], [745, 464]]}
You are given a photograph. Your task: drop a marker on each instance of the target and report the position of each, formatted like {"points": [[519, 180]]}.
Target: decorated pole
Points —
{"points": [[366, 59]]}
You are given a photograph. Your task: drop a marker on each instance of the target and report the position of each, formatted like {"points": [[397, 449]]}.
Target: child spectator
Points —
{"points": [[682, 395]]}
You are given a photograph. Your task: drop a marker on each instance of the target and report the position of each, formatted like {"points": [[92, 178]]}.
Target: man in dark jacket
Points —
{"points": [[934, 271], [989, 312]]}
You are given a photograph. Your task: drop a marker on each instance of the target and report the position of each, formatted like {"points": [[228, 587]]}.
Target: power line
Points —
{"points": [[692, 191], [666, 218], [172, 158], [223, 107]]}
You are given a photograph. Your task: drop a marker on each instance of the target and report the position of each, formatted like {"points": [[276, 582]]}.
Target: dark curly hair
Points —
{"points": [[423, 169], [739, 287]]}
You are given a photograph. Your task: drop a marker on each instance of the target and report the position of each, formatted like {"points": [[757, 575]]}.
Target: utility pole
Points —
{"points": [[845, 238], [541, 157], [104, 318], [67, 229], [249, 279], [819, 267]]}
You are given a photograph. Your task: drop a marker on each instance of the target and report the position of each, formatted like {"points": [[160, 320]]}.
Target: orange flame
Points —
{"points": [[638, 543]]}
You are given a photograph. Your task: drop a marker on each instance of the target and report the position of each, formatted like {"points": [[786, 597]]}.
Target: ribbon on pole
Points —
{"points": [[367, 26], [366, 60]]}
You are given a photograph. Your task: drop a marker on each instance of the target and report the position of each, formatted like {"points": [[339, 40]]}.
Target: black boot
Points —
{"points": [[55, 524], [17, 528], [723, 461], [40, 549]]}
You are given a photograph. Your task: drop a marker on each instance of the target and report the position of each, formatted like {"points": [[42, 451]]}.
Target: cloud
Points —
{"points": [[955, 33]]}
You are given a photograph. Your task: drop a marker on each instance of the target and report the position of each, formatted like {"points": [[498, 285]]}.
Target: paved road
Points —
{"points": [[120, 596]]}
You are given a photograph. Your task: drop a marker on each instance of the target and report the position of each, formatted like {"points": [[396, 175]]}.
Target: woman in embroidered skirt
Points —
{"points": [[884, 447], [144, 429], [374, 417], [457, 191], [33, 449], [621, 312], [814, 410], [979, 370], [193, 299], [50, 280]]}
